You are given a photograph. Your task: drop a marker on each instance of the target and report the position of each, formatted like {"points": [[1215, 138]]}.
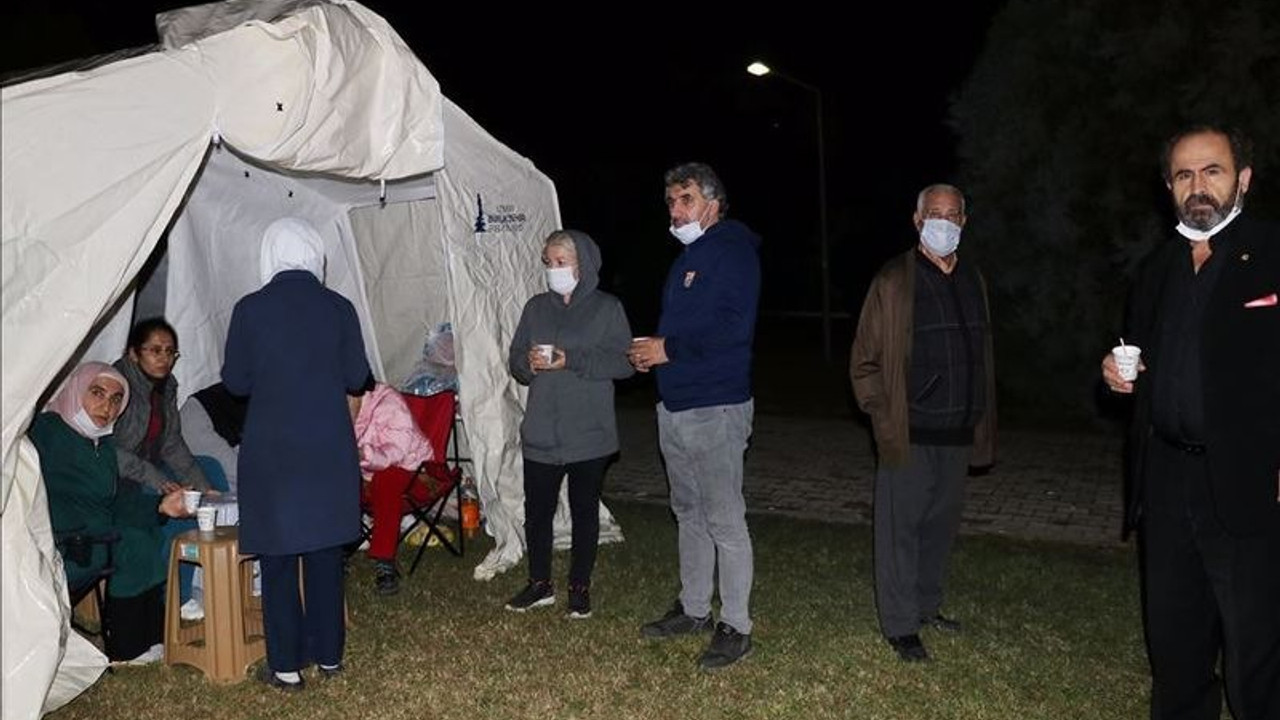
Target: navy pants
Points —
{"points": [[301, 633]]}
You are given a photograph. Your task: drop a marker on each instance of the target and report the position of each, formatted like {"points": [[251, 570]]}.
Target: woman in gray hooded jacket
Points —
{"points": [[570, 345]]}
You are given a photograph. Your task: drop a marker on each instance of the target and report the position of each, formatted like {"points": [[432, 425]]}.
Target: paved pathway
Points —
{"points": [[1045, 486]]}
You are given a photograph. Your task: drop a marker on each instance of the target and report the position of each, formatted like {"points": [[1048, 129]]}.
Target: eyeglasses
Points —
{"points": [[158, 351]]}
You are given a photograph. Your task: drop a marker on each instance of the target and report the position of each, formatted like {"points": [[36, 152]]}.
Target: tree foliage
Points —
{"points": [[1060, 129]]}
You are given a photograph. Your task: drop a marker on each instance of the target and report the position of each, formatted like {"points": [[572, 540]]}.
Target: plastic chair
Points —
{"points": [[429, 490]]}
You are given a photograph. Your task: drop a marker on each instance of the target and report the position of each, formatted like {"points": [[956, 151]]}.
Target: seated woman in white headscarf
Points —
{"points": [[78, 461]]}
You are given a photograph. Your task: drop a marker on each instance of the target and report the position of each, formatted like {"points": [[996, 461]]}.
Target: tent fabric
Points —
{"points": [[254, 110], [95, 164]]}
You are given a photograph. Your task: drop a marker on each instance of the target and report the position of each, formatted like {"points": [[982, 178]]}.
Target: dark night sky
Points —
{"points": [[605, 105]]}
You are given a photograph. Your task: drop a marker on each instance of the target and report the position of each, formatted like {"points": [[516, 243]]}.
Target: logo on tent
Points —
{"points": [[482, 225], [507, 218]]}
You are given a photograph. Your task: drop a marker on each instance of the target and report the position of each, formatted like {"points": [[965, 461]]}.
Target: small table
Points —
{"points": [[230, 638]]}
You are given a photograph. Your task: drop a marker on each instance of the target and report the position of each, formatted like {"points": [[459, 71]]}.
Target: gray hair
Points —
{"points": [[1241, 146], [702, 174], [938, 187], [561, 238]]}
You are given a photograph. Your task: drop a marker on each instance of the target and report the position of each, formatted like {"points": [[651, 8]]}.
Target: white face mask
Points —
{"points": [[88, 427], [561, 280], [1195, 235], [687, 232], [942, 237]]}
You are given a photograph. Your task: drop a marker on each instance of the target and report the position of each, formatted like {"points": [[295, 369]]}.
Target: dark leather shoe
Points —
{"points": [[268, 676], [909, 648], [941, 622]]}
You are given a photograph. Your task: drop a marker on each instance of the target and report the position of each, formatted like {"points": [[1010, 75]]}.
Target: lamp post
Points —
{"points": [[759, 69]]}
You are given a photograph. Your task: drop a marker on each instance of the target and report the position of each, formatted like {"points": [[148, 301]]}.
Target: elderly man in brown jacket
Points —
{"points": [[922, 368]]}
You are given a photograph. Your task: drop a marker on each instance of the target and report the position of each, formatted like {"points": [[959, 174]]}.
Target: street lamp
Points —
{"points": [[759, 69]]}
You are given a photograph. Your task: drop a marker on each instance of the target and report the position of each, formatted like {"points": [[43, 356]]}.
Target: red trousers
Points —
{"points": [[384, 499]]}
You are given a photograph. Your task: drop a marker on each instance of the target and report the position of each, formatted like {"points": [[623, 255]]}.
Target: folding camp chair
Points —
{"points": [[434, 481], [76, 547]]}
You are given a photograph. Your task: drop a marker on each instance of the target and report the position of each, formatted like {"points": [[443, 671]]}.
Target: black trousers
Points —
{"points": [[1206, 594], [299, 634], [541, 493], [136, 623]]}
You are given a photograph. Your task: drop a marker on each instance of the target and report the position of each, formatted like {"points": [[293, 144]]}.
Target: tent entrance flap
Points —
{"points": [[401, 253]]}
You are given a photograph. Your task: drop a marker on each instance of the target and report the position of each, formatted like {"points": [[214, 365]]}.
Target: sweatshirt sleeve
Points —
{"points": [[178, 456], [607, 359], [518, 354], [133, 467], [731, 322]]}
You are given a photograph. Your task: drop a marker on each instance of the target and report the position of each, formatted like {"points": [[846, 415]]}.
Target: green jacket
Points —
{"points": [[881, 358], [81, 479]]}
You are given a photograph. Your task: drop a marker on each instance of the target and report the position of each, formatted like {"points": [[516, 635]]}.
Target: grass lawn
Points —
{"points": [[1050, 632]]}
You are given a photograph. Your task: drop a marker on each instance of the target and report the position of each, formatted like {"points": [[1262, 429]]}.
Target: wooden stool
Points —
{"points": [[230, 638]]}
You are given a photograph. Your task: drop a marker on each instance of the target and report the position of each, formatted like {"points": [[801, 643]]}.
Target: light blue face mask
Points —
{"points": [[687, 232], [942, 237]]}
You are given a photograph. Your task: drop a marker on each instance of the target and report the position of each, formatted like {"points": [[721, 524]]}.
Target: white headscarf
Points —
{"points": [[291, 244]]}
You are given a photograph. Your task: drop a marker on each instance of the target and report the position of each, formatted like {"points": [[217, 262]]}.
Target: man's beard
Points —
{"points": [[1206, 218]]}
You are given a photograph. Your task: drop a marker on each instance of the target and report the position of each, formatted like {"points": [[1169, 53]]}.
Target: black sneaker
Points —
{"points": [[538, 593], [579, 602], [727, 647], [909, 648], [267, 676], [941, 622], [385, 577], [675, 622], [329, 673]]}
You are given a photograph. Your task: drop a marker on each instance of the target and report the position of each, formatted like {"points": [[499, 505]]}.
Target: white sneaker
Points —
{"points": [[154, 654], [191, 610]]}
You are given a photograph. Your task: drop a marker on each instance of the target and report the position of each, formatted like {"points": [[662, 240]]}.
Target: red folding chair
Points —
{"points": [[434, 481]]}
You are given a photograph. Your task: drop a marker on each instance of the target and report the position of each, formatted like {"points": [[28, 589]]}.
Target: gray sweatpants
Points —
{"points": [[917, 514], [703, 448]]}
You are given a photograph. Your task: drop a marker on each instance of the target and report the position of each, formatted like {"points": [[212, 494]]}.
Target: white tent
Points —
{"points": [[254, 110]]}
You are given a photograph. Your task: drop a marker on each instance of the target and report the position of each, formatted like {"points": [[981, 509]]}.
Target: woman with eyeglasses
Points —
{"points": [[150, 450]]}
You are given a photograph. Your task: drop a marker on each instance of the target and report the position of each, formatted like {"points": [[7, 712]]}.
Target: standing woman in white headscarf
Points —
{"points": [[294, 348]]}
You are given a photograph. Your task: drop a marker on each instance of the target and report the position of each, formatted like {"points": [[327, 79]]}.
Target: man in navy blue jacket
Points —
{"points": [[702, 357]]}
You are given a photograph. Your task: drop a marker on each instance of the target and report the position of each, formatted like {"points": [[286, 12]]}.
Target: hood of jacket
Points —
{"points": [[588, 266]]}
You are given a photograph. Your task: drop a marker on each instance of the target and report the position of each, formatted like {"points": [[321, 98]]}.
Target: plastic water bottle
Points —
{"points": [[470, 507]]}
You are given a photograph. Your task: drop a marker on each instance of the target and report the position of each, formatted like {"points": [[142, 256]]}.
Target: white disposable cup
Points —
{"points": [[1127, 361], [548, 352], [206, 518], [190, 500]]}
